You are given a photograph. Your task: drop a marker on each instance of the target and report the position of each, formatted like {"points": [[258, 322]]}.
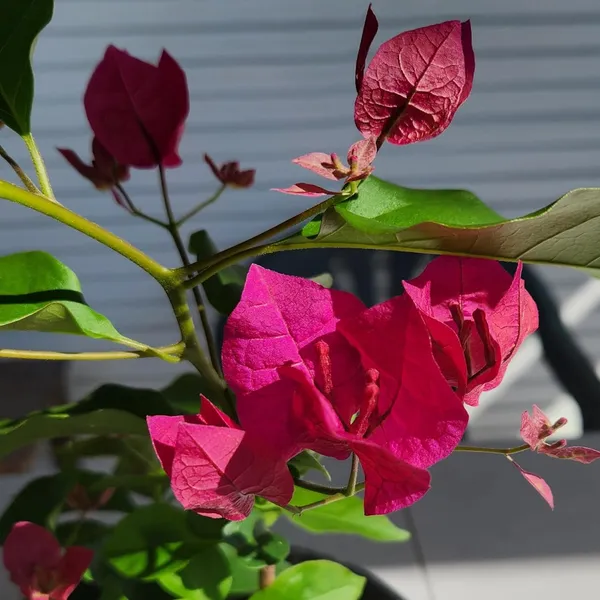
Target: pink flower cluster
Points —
{"points": [[37, 565], [313, 368], [137, 112]]}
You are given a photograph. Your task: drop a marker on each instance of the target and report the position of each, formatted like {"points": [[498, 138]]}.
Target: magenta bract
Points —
{"points": [[138, 110], [537, 427], [338, 378], [478, 316], [360, 156], [104, 172], [216, 468], [229, 173], [36, 564], [415, 83]]}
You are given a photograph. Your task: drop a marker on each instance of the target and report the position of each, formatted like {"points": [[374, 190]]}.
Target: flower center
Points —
{"points": [[44, 580], [474, 336], [363, 422]]}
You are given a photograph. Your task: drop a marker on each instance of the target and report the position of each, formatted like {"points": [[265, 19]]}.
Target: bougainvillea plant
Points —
{"points": [[204, 468]]}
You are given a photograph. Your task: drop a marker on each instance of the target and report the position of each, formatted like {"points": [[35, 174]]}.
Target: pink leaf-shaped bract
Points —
{"points": [[473, 308], [415, 83], [325, 165], [34, 560], [306, 189], [337, 378], [360, 156], [537, 427], [104, 172], [230, 174], [421, 420], [368, 35], [277, 322], [217, 472], [538, 484], [138, 110], [216, 469]]}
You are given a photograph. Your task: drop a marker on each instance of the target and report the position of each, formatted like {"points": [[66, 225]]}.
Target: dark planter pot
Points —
{"points": [[374, 590]]}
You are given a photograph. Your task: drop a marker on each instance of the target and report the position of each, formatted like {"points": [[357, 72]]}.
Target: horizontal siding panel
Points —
{"points": [[264, 13]]}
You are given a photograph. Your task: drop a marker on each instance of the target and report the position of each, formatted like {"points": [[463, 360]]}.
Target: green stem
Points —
{"points": [[353, 478], [201, 206], [224, 262], [193, 352], [40, 167], [135, 211], [232, 260], [246, 245], [174, 231], [298, 510], [19, 171], [317, 487], [47, 207], [174, 350], [505, 451]]}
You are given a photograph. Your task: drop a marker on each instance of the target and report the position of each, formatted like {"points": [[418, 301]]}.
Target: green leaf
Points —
{"points": [[224, 289], [184, 393], [314, 580], [39, 293], [111, 409], [380, 206], [245, 578], [564, 233], [307, 461], [87, 533], [39, 502], [206, 577], [20, 23], [45, 426], [324, 279], [153, 540], [344, 516]]}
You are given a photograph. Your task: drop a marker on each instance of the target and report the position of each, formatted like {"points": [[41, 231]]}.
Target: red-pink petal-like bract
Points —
{"points": [[105, 172], [537, 427], [138, 110], [230, 174], [478, 315], [360, 158], [306, 189], [538, 484], [415, 83], [338, 378], [368, 35], [34, 560], [322, 164], [215, 468]]}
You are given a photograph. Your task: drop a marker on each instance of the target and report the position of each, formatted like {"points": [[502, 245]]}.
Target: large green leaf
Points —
{"points": [[314, 580], [206, 577], [307, 461], [565, 233], [380, 206], [111, 409], [157, 539], [57, 424], [224, 289], [344, 516], [39, 293], [39, 501], [184, 392], [20, 23]]}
